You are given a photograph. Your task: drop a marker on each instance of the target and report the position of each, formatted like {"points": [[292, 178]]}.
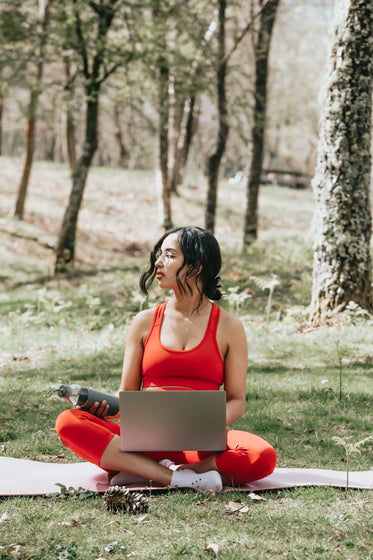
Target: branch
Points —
{"points": [[101, 10], [244, 31]]}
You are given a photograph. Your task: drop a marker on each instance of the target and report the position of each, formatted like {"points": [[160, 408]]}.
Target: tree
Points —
{"points": [[70, 121], [35, 89], [223, 126], [163, 76], [342, 263], [1, 119], [98, 63], [177, 37], [261, 52]]}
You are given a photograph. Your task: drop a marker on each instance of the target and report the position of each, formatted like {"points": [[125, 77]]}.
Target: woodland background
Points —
{"points": [[128, 108]]}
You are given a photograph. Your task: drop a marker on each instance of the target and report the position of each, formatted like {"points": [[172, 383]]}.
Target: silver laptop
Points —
{"points": [[172, 420]]}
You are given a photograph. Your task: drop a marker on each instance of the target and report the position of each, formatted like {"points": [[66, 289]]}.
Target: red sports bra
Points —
{"points": [[200, 368]]}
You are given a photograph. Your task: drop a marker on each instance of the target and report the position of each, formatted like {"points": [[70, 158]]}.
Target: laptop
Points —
{"points": [[172, 420]]}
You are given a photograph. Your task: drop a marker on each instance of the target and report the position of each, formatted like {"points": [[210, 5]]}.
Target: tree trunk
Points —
{"points": [[261, 52], [190, 127], [70, 122], [163, 143], [29, 149], [215, 159], [66, 243], [175, 150], [119, 139], [342, 263], [1, 122], [31, 114], [93, 77]]}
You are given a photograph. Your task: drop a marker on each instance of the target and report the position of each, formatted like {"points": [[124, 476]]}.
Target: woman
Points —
{"points": [[186, 343]]}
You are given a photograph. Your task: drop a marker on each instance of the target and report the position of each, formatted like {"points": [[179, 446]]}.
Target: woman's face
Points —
{"points": [[169, 260]]}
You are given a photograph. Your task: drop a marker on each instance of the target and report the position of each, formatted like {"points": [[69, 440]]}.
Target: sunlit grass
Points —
{"points": [[304, 386]]}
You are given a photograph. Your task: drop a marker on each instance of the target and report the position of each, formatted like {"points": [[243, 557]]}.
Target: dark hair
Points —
{"points": [[202, 259]]}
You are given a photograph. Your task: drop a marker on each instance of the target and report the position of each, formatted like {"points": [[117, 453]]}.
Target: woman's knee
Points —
{"points": [[66, 421], [268, 460]]}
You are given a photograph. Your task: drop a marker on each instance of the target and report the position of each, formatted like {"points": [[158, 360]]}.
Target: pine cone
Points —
{"points": [[117, 498]]}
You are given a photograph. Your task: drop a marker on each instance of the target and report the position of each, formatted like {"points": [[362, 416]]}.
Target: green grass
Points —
{"points": [[304, 385]]}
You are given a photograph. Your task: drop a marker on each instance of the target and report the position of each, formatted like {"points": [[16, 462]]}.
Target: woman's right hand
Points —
{"points": [[99, 410]]}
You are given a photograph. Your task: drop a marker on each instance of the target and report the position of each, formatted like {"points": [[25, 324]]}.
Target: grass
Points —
{"points": [[305, 386]]}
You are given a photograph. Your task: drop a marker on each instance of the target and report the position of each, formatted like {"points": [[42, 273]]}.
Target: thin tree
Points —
{"points": [[163, 71], [35, 90], [187, 103], [224, 56], [176, 53], [261, 53], [96, 68], [214, 160], [70, 120], [342, 263]]}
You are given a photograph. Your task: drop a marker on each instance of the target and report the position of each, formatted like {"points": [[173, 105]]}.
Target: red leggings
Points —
{"points": [[247, 457]]}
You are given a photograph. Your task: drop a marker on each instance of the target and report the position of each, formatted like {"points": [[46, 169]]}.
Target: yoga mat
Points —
{"points": [[22, 477]]}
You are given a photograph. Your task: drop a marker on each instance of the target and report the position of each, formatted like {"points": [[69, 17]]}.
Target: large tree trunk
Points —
{"points": [[342, 263], [215, 159], [31, 114], [1, 122], [261, 52], [66, 243]]}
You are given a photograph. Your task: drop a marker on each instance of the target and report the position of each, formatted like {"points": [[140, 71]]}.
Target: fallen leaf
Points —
{"points": [[211, 496], [212, 548], [72, 523], [13, 550], [253, 496], [236, 506], [141, 518]]}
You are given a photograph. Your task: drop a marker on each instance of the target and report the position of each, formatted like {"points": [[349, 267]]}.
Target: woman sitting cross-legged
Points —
{"points": [[186, 343]]}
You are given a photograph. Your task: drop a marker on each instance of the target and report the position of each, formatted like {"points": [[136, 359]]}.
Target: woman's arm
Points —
{"points": [[134, 351], [235, 366], [132, 361]]}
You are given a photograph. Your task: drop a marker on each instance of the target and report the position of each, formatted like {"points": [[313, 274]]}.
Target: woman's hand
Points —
{"points": [[99, 410]]}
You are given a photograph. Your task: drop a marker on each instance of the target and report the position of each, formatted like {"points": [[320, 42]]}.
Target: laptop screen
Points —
{"points": [[172, 420]]}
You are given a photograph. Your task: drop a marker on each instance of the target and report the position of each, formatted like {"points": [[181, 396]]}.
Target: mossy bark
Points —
{"points": [[342, 263]]}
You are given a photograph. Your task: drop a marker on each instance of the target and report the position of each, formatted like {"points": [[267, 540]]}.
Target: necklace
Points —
{"points": [[186, 324]]}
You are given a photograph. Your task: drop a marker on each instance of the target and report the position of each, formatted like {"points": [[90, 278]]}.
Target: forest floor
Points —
{"points": [[304, 386]]}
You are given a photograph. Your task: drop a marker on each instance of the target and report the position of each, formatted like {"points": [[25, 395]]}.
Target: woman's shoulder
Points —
{"points": [[230, 324], [145, 317], [142, 322]]}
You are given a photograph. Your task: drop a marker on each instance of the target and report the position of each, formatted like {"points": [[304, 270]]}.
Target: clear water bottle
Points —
{"points": [[85, 397]]}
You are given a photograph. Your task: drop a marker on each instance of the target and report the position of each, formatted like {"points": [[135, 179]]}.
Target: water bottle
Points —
{"points": [[85, 397]]}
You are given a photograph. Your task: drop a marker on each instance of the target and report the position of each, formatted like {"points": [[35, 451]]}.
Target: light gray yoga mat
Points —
{"points": [[24, 477]]}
